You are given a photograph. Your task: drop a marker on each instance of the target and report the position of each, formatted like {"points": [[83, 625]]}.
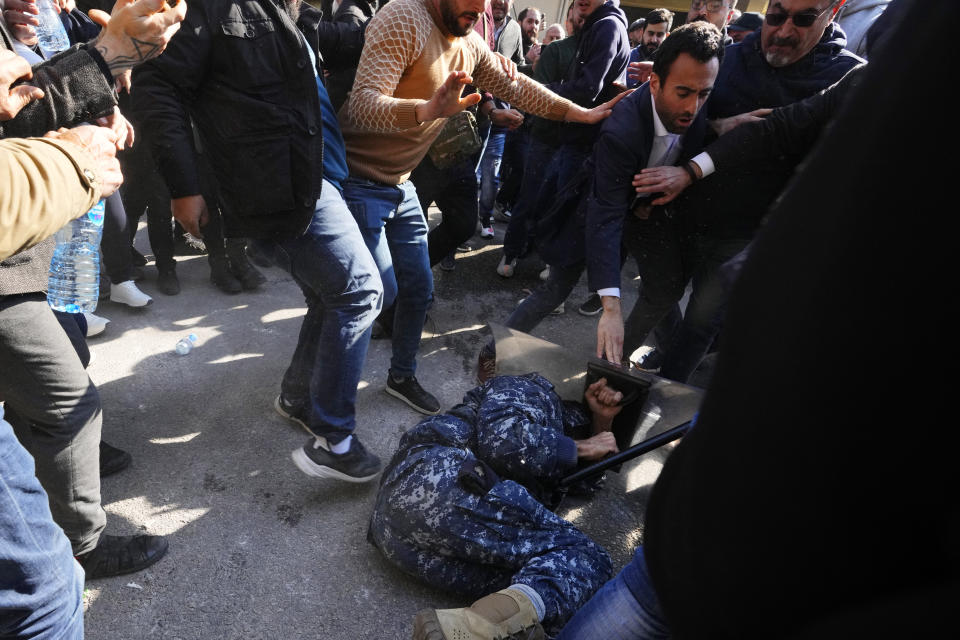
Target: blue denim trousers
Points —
{"points": [[625, 608], [342, 287], [395, 231], [488, 173], [41, 585]]}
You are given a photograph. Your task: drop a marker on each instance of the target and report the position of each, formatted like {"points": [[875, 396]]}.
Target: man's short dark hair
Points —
{"points": [[523, 14], [700, 40], [659, 16], [638, 24]]}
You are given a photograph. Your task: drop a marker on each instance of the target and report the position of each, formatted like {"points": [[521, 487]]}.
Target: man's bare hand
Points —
{"points": [[136, 31], [12, 99], [448, 100], [21, 18], [191, 212], [121, 126], [670, 181], [597, 447], [604, 403], [509, 66], [101, 144], [509, 118], [577, 113], [534, 53], [610, 331], [723, 125], [639, 72]]}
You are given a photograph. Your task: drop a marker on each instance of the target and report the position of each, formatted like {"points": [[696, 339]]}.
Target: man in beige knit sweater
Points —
{"points": [[417, 58]]}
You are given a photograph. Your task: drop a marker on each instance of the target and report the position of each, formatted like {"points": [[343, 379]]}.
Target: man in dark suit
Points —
{"points": [[798, 52], [660, 123]]}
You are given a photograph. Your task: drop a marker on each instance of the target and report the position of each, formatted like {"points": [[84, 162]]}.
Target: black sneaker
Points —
{"points": [[410, 391], [591, 306], [117, 555], [448, 263], [356, 465]]}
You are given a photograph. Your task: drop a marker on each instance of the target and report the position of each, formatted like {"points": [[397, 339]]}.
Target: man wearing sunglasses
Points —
{"points": [[797, 52]]}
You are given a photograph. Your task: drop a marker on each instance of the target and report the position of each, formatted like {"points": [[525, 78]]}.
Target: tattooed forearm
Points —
{"points": [[119, 59]]}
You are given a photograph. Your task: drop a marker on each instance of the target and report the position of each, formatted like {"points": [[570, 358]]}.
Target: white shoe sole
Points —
{"points": [[290, 417], [311, 468], [400, 396], [136, 304]]}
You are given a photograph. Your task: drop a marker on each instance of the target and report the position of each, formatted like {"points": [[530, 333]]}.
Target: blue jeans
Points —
{"points": [[41, 585], [395, 231], [488, 173], [625, 608], [339, 279]]}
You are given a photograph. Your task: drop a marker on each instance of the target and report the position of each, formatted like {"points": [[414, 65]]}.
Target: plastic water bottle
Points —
{"points": [[74, 283], [185, 345], [51, 35]]}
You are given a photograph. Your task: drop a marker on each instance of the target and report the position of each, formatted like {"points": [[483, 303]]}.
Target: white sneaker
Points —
{"points": [[486, 232], [127, 293], [545, 274], [504, 269], [95, 324]]}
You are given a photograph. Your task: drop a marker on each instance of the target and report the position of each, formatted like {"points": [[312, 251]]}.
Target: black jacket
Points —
{"points": [[603, 50], [240, 70], [734, 204]]}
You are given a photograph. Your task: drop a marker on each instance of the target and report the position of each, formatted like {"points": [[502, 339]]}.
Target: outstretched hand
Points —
{"points": [[448, 100], [600, 112]]}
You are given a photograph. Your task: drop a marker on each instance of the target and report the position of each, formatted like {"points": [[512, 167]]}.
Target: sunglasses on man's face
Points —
{"points": [[800, 20]]}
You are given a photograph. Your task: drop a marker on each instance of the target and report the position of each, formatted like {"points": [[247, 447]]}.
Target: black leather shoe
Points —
{"points": [[112, 460], [117, 555]]}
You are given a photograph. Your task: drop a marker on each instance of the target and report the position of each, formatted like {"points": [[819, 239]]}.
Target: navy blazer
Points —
{"points": [[620, 153]]}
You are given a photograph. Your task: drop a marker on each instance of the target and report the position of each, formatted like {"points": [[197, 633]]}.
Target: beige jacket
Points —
{"points": [[43, 184]]}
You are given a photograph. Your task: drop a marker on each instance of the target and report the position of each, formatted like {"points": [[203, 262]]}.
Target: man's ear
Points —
{"points": [[654, 83]]}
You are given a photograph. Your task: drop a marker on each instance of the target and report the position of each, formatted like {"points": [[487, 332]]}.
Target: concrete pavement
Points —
{"points": [[257, 549]]}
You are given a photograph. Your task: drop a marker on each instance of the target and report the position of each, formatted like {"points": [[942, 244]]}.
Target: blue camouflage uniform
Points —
{"points": [[460, 503]]}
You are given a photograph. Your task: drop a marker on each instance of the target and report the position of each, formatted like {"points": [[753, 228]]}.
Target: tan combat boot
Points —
{"points": [[504, 615]]}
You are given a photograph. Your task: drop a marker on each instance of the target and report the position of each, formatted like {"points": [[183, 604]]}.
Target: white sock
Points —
{"points": [[341, 447], [533, 596]]}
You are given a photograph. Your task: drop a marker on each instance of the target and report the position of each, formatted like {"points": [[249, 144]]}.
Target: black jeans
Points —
{"points": [[454, 189]]}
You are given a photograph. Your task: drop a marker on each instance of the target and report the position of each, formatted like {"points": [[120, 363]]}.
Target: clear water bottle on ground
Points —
{"points": [[185, 345], [74, 282], [51, 35]]}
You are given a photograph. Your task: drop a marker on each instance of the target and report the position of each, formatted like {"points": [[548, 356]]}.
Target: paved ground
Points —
{"points": [[257, 549]]}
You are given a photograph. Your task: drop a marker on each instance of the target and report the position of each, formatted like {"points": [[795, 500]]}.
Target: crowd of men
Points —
{"points": [[315, 141]]}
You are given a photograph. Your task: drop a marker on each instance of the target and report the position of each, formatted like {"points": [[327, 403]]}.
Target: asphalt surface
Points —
{"points": [[258, 549]]}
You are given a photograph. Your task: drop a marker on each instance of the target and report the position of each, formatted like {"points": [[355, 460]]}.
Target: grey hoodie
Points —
{"points": [[855, 19]]}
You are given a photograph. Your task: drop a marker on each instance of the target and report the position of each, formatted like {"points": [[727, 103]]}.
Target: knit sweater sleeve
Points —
{"points": [[395, 38], [523, 93]]}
